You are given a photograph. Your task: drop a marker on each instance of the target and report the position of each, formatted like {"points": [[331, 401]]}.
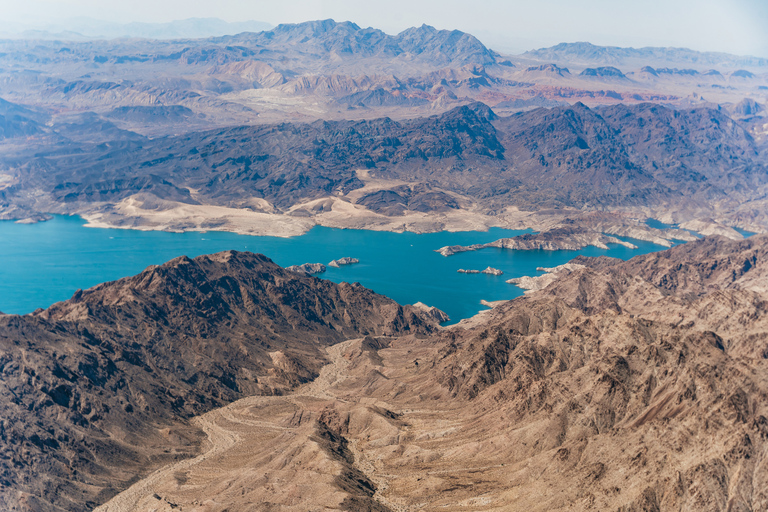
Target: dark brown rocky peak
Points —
{"points": [[547, 126], [197, 295], [479, 109], [710, 133], [465, 132], [658, 285]]}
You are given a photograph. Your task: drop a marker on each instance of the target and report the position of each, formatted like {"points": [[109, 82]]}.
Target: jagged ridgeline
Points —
{"points": [[620, 156], [99, 389]]}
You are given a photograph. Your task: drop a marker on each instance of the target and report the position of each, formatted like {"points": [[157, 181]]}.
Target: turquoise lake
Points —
{"points": [[45, 263]]}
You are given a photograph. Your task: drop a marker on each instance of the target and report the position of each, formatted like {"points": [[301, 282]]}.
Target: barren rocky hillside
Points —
{"points": [[646, 158], [229, 132], [99, 390], [226, 383]]}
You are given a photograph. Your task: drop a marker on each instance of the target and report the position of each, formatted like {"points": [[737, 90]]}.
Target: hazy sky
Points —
{"points": [[735, 26]]}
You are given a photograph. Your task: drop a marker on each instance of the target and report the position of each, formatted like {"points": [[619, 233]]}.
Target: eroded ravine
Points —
{"points": [[233, 430]]}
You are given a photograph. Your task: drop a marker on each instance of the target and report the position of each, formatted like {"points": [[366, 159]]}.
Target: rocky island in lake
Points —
{"points": [[490, 270], [557, 239], [307, 268], [343, 261]]}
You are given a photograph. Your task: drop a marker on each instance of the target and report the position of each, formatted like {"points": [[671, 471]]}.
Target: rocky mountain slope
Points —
{"points": [[644, 158], [621, 386], [97, 391]]}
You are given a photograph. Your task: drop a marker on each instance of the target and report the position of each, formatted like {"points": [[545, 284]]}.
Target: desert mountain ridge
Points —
{"points": [[315, 70], [585, 53], [466, 163]]}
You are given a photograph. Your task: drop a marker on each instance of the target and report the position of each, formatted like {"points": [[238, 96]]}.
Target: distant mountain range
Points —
{"points": [[83, 28], [589, 54], [324, 37]]}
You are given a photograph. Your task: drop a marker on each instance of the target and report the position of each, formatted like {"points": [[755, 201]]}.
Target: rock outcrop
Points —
{"points": [[433, 312], [557, 239], [307, 268], [489, 270], [343, 261], [535, 283]]}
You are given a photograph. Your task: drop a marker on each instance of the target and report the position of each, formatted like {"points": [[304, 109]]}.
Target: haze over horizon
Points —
{"points": [[711, 25]]}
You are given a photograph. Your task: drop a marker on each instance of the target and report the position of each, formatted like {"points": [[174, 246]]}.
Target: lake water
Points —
{"points": [[44, 263]]}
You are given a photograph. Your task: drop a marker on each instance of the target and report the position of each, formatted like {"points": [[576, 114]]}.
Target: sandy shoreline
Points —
{"points": [[146, 212], [150, 214]]}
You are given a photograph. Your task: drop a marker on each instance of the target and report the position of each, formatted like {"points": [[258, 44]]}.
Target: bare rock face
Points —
{"points": [[696, 269], [307, 268], [435, 313], [635, 385], [99, 390], [624, 369], [343, 261]]}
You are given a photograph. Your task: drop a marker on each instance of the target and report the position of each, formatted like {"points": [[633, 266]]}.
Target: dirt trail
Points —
{"points": [[225, 427], [219, 440]]}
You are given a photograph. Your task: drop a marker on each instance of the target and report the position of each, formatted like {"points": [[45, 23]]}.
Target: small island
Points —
{"points": [[343, 261], [490, 270], [307, 268]]}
